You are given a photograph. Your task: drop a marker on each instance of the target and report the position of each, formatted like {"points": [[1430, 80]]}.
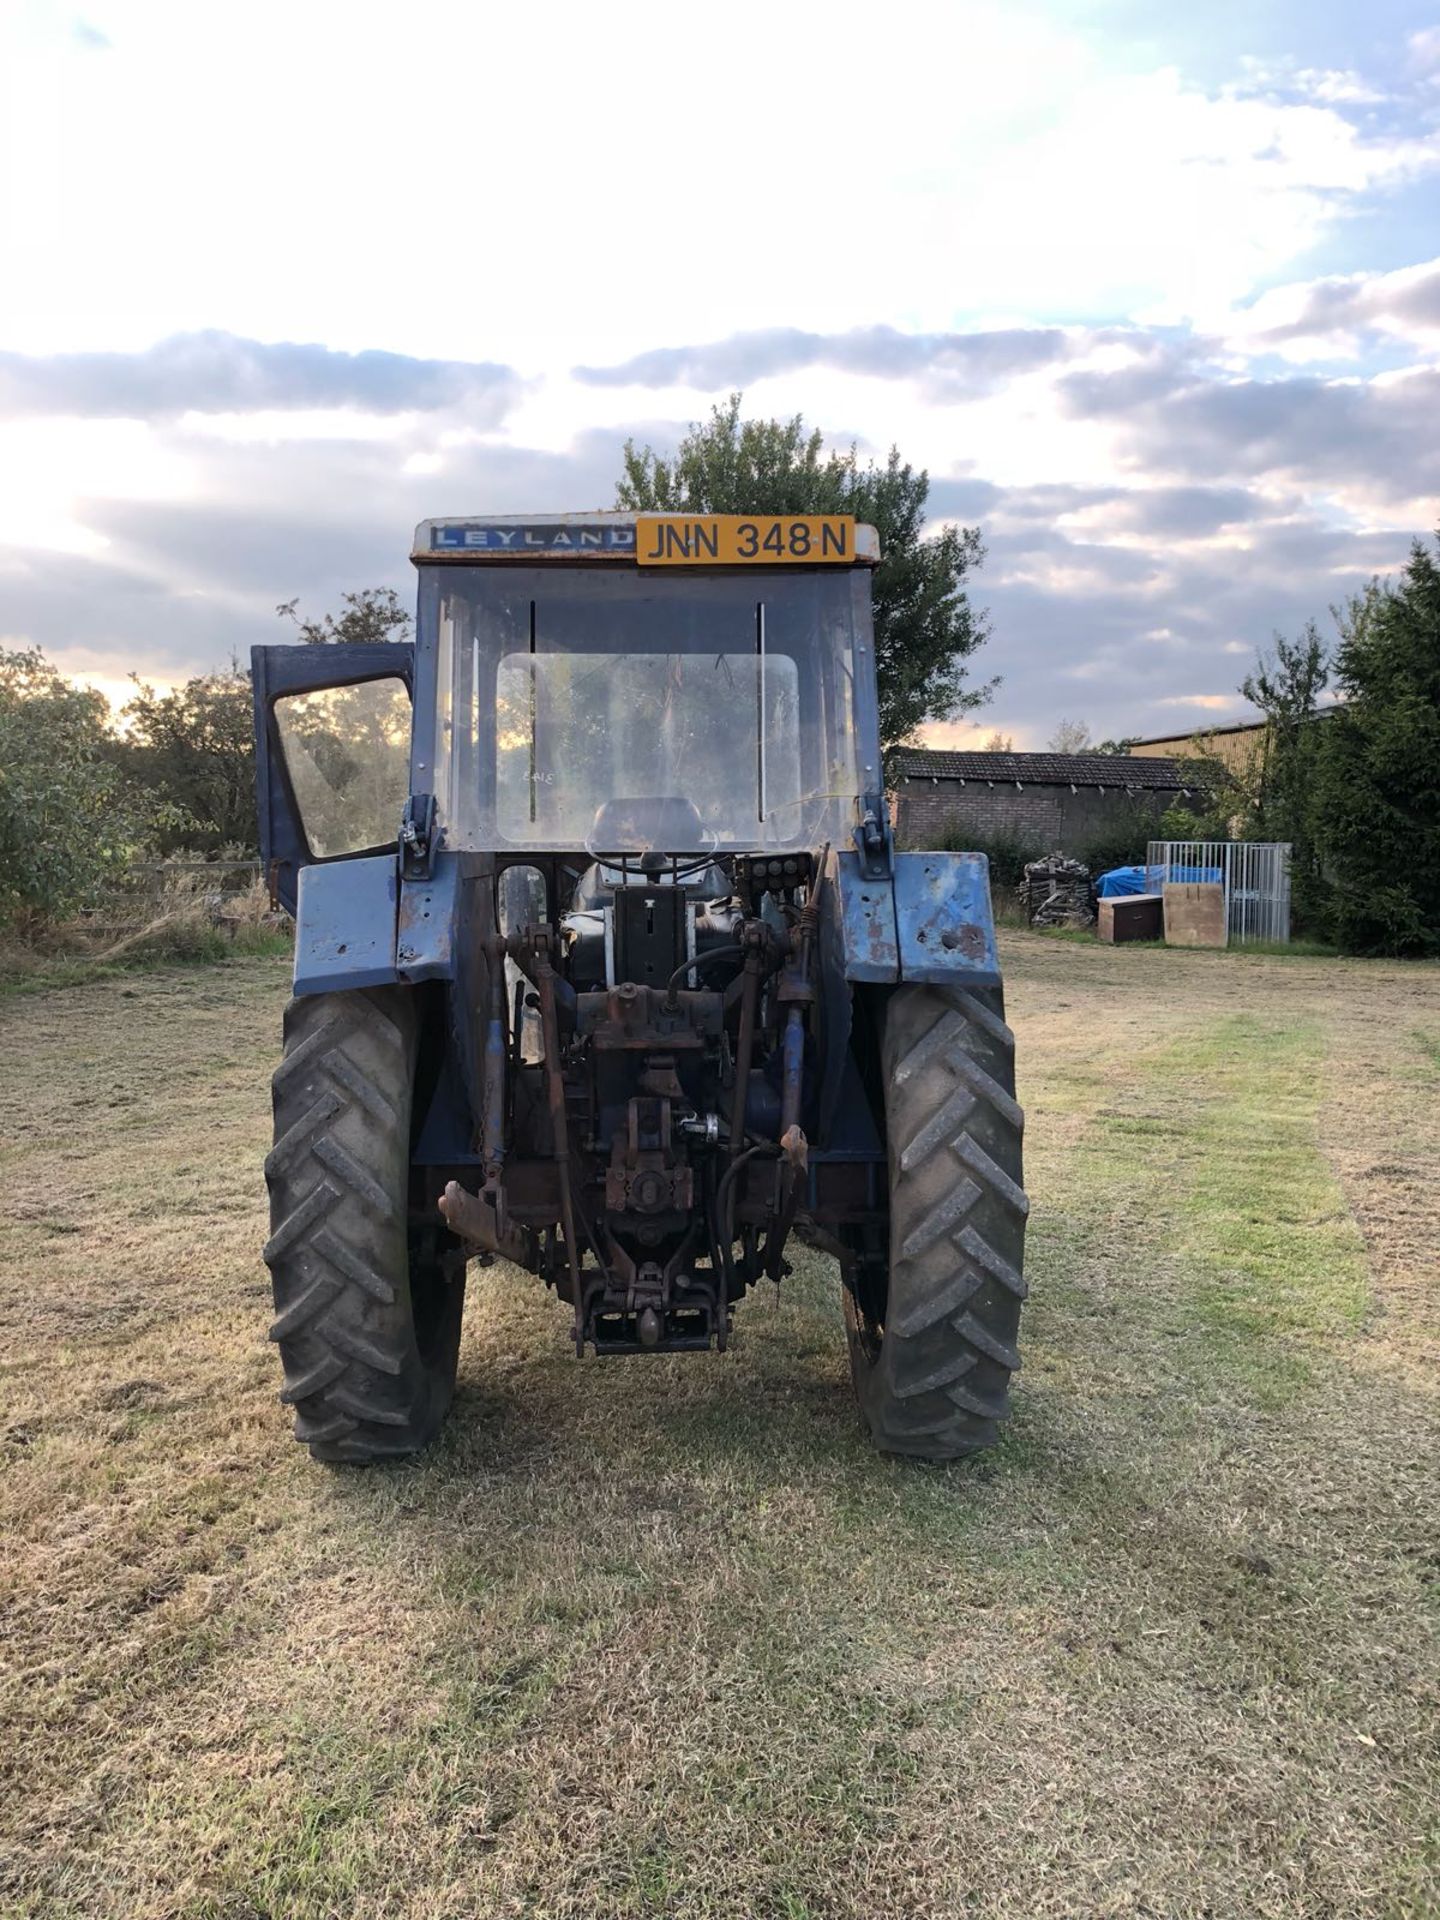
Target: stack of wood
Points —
{"points": [[1057, 892]]}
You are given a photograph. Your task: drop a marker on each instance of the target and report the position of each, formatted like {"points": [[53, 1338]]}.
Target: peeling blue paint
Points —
{"points": [[425, 938], [867, 922], [944, 922]]}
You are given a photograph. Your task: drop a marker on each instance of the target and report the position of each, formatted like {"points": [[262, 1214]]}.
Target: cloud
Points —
{"points": [[1101, 512], [1151, 515], [1184, 513], [967, 500], [1371, 439], [1124, 639], [1338, 87], [953, 363], [1329, 317], [333, 514], [217, 372], [250, 550], [1330, 86], [85, 611], [178, 585], [1074, 177]]}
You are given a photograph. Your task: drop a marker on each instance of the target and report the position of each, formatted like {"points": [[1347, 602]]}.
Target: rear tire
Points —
{"points": [[368, 1305], [933, 1342]]}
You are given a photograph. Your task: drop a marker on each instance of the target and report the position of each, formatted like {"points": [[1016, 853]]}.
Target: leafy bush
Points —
{"points": [[191, 754], [67, 821], [1179, 822], [1124, 841], [1007, 854], [1277, 800], [1121, 844], [1377, 801]]}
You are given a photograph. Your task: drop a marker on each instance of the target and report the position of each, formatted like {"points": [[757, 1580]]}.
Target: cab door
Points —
{"points": [[332, 753]]}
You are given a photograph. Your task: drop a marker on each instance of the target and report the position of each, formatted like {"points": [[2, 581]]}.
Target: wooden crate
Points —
{"points": [[1195, 913], [1131, 916]]}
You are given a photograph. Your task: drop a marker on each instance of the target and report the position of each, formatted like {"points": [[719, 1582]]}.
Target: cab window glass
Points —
{"points": [[347, 752], [520, 894]]}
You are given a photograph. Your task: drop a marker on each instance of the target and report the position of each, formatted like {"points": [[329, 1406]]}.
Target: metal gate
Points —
{"points": [[1254, 873]]}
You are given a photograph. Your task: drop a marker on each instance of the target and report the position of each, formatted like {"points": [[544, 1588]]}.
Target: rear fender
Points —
{"points": [[930, 922], [345, 919], [359, 923], [944, 921]]}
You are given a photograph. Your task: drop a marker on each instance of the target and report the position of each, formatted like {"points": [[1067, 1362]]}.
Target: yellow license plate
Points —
{"points": [[735, 539]]}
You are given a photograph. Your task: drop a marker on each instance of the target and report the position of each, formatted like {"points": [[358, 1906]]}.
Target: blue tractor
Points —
{"points": [[606, 965]]}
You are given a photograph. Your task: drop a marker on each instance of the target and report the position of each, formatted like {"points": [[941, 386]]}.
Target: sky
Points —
{"points": [[1152, 291]]}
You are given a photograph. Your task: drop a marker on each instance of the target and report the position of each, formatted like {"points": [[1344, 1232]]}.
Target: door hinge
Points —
{"points": [[872, 837], [417, 835]]}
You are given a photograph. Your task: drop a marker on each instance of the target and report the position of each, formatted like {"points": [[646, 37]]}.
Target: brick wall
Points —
{"points": [[1049, 818]]}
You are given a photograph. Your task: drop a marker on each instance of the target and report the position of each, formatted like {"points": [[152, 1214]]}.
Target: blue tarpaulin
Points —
{"points": [[1121, 880]]}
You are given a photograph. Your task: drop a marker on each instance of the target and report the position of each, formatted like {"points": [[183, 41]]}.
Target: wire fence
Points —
{"points": [[146, 890], [243, 870], [1254, 873]]}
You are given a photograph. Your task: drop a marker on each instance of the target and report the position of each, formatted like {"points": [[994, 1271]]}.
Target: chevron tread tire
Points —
{"points": [[368, 1307], [932, 1354]]}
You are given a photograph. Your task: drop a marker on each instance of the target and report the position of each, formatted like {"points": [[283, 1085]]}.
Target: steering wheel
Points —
{"points": [[649, 824]]}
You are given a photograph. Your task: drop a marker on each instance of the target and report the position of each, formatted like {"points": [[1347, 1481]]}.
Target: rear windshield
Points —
{"points": [[617, 713], [606, 747]]}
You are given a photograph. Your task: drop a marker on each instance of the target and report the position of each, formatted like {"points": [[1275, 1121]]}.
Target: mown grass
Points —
{"points": [[666, 1637], [1211, 1144], [1297, 949]]}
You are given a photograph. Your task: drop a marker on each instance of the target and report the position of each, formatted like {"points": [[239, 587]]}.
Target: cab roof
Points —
{"points": [[687, 539]]}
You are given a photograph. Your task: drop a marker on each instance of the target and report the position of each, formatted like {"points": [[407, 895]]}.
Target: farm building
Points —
{"points": [[1236, 746], [1045, 799]]}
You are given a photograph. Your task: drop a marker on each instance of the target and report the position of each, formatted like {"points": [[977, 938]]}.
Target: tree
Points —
{"points": [[1112, 747], [1377, 808], [998, 742], [375, 613], [1071, 736], [65, 824], [925, 626], [193, 750], [1279, 785]]}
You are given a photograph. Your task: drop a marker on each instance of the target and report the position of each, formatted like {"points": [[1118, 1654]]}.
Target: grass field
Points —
{"points": [[665, 1636]]}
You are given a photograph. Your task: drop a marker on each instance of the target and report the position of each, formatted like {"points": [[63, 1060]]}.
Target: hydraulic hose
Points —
{"points": [[725, 1193], [731, 952]]}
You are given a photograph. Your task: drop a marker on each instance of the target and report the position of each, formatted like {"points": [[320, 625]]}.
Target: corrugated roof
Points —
{"points": [[1045, 769]]}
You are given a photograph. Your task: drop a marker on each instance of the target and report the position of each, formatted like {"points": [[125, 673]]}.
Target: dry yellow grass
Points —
{"points": [[665, 1636]]}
